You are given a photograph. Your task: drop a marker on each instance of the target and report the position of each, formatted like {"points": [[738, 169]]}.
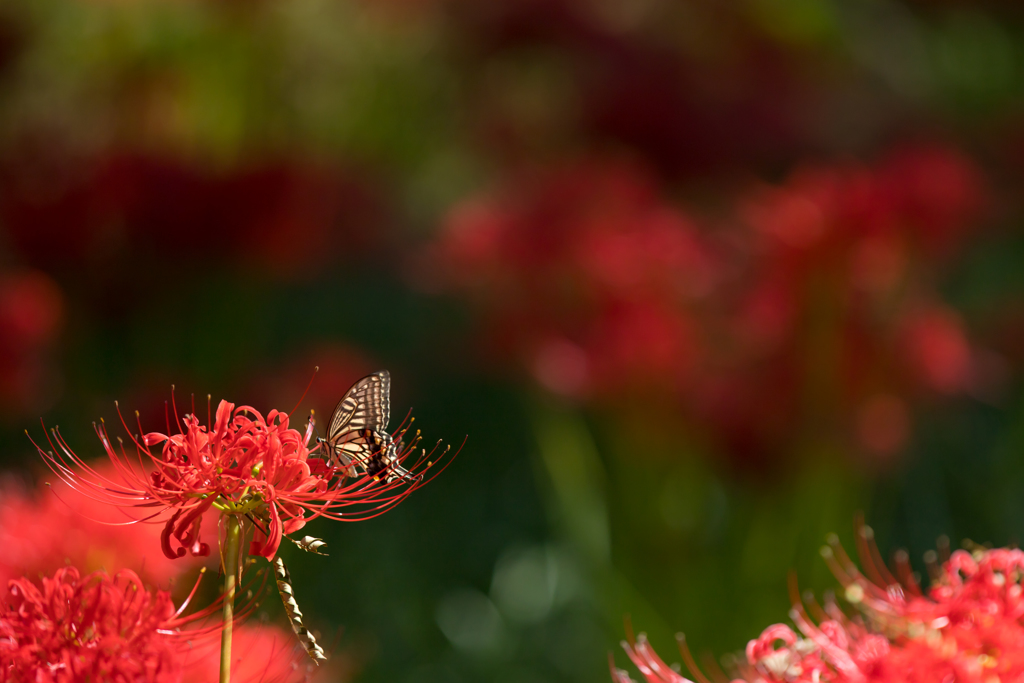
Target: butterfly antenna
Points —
{"points": [[316, 369]]}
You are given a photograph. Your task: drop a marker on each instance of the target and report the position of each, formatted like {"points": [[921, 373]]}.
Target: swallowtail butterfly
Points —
{"points": [[357, 438]]}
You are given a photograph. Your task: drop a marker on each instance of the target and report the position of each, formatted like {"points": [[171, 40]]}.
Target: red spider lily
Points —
{"points": [[609, 291], [968, 627], [255, 468], [59, 525], [96, 627], [585, 272], [647, 661]]}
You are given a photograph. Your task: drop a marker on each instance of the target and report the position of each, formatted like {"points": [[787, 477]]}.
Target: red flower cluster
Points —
{"points": [[968, 628], [255, 468], [94, 628], [599, 286], [586, 275], [99, 627], [57, 525]]}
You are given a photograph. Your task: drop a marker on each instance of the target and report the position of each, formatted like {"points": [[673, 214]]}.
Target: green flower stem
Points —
{"points": [[231, 547]]}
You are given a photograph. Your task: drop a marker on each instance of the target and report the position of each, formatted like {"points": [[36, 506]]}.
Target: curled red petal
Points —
{"points": [[165, 538]]}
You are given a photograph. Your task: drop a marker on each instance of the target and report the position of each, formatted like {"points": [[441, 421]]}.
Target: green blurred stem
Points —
{"points": [[231, 545]]}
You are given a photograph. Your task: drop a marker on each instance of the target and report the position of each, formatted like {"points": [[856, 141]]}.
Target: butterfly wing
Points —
{"points": [[361, 415], [366, 405]]}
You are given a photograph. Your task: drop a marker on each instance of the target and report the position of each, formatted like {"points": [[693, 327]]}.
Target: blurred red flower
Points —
{"points": [[937, 348], [58, 525], [31, 315], [71, 628], [286, 216], [263, 653], [584, 258], [814, 292]]}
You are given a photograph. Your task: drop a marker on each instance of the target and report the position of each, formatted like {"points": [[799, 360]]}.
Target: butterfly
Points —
{"points": [[357, 436]]}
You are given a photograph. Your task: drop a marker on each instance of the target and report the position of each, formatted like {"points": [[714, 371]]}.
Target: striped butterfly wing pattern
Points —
{"points": [[357, 435]]}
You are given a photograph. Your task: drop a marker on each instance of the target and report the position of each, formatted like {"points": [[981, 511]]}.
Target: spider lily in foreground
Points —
{"points": [[967, 628], [97, 627]]}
